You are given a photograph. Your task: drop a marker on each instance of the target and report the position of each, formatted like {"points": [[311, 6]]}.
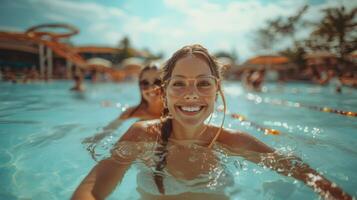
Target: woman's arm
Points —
{"points": [[101, 181], [294, 166], [108, 129], [112, 126], [252, 149], [105, 176]]}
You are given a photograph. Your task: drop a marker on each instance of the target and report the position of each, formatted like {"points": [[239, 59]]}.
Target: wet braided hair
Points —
{"points": [[161, 152], [166, 128]]}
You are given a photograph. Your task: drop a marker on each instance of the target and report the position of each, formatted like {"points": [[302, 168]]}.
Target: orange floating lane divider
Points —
{"points": [[331, 110], [267, 131], [259, 99]]}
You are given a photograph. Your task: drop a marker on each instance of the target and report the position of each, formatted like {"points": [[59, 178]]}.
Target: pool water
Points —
{"points": [[42, 126]]}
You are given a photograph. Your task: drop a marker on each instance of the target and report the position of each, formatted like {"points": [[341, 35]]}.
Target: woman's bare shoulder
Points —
{"points": [[127, 113], [137, 112], [230, 134], [240, 140], [225, 135], [142, 130]]}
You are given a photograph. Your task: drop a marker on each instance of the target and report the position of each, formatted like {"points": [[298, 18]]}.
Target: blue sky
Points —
{"points": [[161, 25]]}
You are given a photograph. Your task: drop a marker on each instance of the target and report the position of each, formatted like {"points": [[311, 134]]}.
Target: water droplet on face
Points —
{"points": [[193, 158]]}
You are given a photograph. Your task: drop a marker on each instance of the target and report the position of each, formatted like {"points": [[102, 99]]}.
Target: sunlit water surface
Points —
{"points": [[42, 126]]}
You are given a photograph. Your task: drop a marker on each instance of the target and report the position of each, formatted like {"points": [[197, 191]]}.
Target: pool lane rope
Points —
{"points": [[267, 131], [259, 99]]}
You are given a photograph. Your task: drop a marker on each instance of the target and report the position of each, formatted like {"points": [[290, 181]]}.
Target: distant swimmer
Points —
{"points": [[78, 84]]}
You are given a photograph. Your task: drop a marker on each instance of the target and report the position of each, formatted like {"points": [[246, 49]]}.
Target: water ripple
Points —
{"points": [[19, 122]]}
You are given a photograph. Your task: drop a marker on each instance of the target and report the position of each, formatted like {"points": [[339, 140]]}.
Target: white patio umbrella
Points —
{"points": [[99, 62]]}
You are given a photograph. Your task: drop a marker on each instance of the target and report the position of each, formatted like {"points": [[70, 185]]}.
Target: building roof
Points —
{"points": [[268, 60]]}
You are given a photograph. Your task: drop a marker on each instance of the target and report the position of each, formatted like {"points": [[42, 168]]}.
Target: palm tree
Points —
{"points": [[296, 54], [125, 50], [264, 39], [288, 27], [279, 29], [337, 30]]}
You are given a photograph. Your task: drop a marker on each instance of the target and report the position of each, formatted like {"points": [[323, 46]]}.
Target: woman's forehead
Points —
{"points": [[191, 66], [150, 74]]}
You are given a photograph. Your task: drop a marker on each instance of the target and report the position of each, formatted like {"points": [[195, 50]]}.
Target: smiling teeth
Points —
{"points": [[191, 109]]}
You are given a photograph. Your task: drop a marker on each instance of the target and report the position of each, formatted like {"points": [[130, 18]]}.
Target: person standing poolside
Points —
{"points": [[182, 164]]}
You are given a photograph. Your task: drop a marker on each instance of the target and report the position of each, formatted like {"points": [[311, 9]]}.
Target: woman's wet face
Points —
{"points": [[149, 83], [190, 107]]}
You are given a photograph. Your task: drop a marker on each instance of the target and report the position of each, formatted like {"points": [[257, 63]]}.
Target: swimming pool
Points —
{"points": [[42, 126]]}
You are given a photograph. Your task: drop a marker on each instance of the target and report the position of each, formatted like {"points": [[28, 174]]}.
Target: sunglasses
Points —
{"points": [[145, 84]]}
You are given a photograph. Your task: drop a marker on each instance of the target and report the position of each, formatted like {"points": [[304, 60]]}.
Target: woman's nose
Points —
{"points": [[191, 94]]}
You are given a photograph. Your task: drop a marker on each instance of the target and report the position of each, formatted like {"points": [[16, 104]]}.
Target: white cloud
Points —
{"points": [[80, 10], [227, 26]]}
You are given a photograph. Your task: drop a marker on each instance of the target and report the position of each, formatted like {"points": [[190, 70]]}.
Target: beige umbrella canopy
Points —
{"points": [[132, 66], [99, 63], [132, 61]]}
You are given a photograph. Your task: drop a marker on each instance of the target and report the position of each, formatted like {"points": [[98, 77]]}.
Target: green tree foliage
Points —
{"points": [[265, 38], [296, 54], [280, 29], [336, 32], [287, 27], [284, 29], [125, 50]]}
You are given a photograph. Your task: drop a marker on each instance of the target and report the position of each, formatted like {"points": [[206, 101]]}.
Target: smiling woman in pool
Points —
{"points": [[150, 106], [185, 166]]}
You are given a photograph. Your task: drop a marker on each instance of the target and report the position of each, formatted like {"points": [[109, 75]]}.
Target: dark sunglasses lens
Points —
{"points": [[157, 82], [144, 83]]}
